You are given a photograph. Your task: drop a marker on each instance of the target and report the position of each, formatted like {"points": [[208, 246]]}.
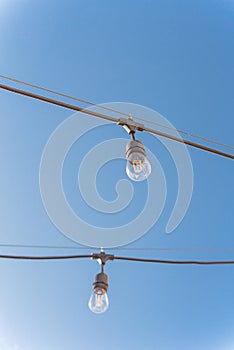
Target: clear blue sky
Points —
{"points": [[176, 57]]}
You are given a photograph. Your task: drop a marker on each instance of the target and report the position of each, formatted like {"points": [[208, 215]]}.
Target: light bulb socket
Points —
{"points": [[135, 146], [100, 283]]}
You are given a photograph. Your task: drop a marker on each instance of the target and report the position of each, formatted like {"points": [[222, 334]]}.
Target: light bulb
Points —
{"points": [[138, 168], [98, 302]]}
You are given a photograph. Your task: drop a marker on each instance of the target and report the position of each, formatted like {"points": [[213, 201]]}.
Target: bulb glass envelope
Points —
{"points": [[138, 167], [98, 302]]}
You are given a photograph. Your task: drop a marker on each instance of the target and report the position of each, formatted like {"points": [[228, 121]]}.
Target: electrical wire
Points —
{"points": [[112, 119], [115, 111], [58, 257], [175, 249], [57, 103], [109, 118], [175, 262], [189, 143], [96, 257], [185, 133], [44, 246], [118, 248], [64, 95]]}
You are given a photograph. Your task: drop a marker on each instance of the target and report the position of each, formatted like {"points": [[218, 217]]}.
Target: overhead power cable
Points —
{"points": [[115, 111], [112, 119], [112, 257]]}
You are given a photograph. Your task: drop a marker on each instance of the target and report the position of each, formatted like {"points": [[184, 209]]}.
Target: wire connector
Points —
{"points": [[130, 126], [102, 257]]}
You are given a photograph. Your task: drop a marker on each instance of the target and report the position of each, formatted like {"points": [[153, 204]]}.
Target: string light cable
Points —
{"points": [[113, 110], [106, 257], [99, 302], [119, 121]]}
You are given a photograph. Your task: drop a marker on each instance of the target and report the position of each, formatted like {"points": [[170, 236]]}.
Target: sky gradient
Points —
{"points": [[175, 57]]}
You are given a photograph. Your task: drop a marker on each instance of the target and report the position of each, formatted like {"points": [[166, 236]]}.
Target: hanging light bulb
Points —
{"points": [[138, 168], [98, 302]]}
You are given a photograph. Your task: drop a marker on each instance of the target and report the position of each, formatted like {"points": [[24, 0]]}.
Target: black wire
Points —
{"points": [[132, 133], [58, 103], [176, 262], [107, 117], [58, 257], [189, 143], [65, 95], [96, 256], [184, 132], [115, 111]]}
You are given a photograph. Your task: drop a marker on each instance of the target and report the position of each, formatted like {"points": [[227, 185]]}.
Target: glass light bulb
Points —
{"points": [[98, 302], [138, 168]]}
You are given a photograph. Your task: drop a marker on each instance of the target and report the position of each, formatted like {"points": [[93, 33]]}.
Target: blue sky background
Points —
{"points": [[175, 57]]}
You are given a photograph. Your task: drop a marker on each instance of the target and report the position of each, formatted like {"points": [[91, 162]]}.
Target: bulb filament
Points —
{"points": [[137, 166]]}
